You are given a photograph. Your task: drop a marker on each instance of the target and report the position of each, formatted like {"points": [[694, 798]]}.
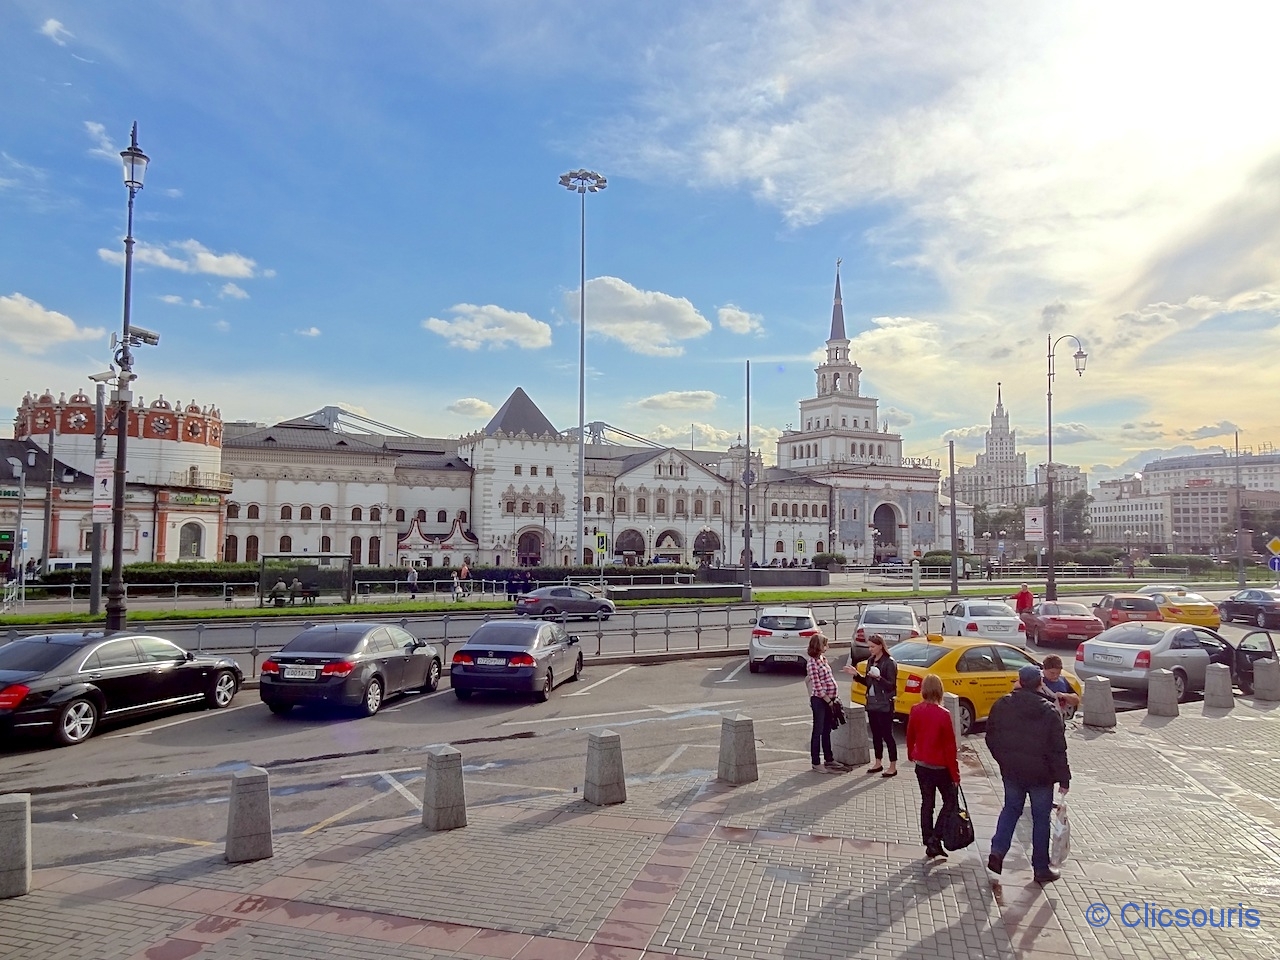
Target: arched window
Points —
{"points": [[697, 508], [662, 505], [784, 509], [442, 516], [804, 510], [304, 513], [422, 516], [400, 515], [286, 544], [375, 514], [355, 550], [853, 449], [679, 507], [326, 513], [795, 509], [879, 449], [599, 504], [821, 548], [286, 512], [778, 547], [641, 504], [462, 516], [251, 549], [586, 505], [773, 509], [231, 550], [253, 511], [555, 509], [621, 505], [326, 545], [715, 508], [191, 540], [357, 513], [511, 506], [233, 511], [824, 513], [375, 551], [541, 507], [524, 506]]}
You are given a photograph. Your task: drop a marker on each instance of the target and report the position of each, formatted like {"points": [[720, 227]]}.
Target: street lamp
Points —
{"points": [[649, 530], [135, 168], [20, 538], [1051, 585], [986, 548], [582, 182]]}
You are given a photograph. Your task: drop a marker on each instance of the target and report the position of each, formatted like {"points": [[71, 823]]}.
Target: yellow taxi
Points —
{"points": [[977, 670], [1185, 607]]}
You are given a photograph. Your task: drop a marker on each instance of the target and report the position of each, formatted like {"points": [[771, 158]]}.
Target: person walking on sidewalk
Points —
{"points": [[881, 681], [413, 583], [931, 745], [1026, 737], [821, 684]]}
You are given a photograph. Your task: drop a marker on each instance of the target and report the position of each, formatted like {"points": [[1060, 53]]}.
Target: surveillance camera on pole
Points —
{"points": [[141, 336]]}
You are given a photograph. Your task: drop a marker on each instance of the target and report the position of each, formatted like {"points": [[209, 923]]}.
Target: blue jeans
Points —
{"points": [[1015, 799]]}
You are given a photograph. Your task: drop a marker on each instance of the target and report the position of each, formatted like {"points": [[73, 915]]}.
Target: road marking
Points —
{"points": [[736, 671], [585, 690], [329, 821], [401, 789], [379, 773], [662, 767], [585, 716], [84, 828], [174, 723], [408, 701], [795, 723], [519, 786]]}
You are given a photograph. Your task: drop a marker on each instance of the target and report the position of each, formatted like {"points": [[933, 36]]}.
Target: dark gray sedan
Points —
{"points": [[564, 601], [518, 655]]}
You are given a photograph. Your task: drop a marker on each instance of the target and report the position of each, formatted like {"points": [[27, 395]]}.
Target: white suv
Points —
{"points": [[781, 635]]}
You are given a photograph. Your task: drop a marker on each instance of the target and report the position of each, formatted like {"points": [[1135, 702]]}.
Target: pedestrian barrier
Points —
{"points": [[249, 817], [737, 750], [1098, 705], [444, 799], [952, 703], [1162, 694], [15, 845], [851, 741], [606, 782], [1266, 680], [1217, 687]]}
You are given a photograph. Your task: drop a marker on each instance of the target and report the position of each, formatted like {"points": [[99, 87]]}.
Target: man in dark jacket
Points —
{"points": [[1026, 737]]}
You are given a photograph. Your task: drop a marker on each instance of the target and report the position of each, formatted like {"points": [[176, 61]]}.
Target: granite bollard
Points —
{"points": [[1162, 694], [737, 749], [1097, 704], [851, 742], [1266, 680], [444, 798], [249, 816], [606, 781], [952, 703], [15, 845], [1217, 687]]}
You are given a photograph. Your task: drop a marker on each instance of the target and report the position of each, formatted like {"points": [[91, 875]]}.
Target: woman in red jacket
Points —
{"points": [[931, 745]]}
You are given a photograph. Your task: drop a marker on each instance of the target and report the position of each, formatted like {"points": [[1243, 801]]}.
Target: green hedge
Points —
{"points": [[1194, 562], [824, 560]]}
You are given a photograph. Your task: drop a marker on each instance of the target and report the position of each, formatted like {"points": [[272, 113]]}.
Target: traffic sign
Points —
{"points": [[1274, 546], [602, 541], [1274, 564]]}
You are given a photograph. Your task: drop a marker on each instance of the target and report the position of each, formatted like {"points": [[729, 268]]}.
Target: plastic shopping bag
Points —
{"points": [[1059, 834]]}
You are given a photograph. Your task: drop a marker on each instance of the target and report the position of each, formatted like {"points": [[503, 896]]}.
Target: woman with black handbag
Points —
{"points": [[931, 745], [881, 681]]}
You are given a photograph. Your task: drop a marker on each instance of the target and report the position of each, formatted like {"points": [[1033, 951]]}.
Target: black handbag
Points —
{"points": [[955, 827]]}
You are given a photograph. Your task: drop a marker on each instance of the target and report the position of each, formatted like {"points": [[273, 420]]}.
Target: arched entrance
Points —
{"points": [[669, 546], [190, 541], [706, 545], [529, 549], [630, 546], [885, 534]]}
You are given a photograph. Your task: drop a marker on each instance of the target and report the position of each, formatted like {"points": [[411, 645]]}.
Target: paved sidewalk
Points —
{"points": [[1180, 813]]}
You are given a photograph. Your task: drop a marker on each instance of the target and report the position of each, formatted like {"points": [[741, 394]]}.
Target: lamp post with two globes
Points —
{"points": [[1051, 584]]}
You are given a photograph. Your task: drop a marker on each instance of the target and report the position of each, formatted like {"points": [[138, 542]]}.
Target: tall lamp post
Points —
{"points": [[1051, 584], [582, 182], [20, 535], [135, 168]]}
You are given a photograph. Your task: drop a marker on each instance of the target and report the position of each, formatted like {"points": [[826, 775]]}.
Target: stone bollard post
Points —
{"points": [[606, 781], [249, 816], [1097, 704], [444, 799], [737, 749], [1162, 694], [1217, 686], [15, 845], [851, 743], [1266, 680], [952, 703]]}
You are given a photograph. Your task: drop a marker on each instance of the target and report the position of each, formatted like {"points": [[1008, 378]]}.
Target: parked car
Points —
{"points": [[516, 655], [893, 621], [1188, 608], [1255, 605], [1060, 623], [348, 665], [65, 684], [1126, 655], [781, 635], [570, 601], [983, 618], [1150, 588], [977, 670], [1117, 608]]}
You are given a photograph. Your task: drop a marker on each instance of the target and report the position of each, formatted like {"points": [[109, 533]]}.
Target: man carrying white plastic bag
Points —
{"points": [[1059, 834]]}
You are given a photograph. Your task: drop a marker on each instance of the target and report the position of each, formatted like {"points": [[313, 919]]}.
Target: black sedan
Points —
{"points": [[1255, 605], [66, 683], [564, 601], [523, 656], [348, 665]]}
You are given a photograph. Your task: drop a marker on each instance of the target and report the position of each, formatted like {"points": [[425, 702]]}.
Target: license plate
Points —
{"points": [[1076, 636], [299, 673], [1108, 658], [491, 661], [787, 657]]}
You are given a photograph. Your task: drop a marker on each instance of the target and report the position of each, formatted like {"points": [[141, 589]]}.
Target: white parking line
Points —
{"points": [[662, 767], [409, 701], [585, 690], [174, 723], [403, 790], [737, 670], [584, 716]]}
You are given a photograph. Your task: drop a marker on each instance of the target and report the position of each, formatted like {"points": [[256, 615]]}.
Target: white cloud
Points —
{"points": [[172, 192], [309, 332], [191, 257], [233, 291], [896, 418], [1063, 433], [103, 147], [643, 321], [967, 438], [679, 400], [473, 327], [1221, 428], [171, 298], [56, 32], [472, 407], [32, 328], [174, 300], [736, 320], [221, 326]]}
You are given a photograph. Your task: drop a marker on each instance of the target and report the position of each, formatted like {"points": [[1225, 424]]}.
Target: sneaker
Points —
{"points": [[995, 862], [934, 849], [819, 768], [1047, 877], [835, 766]]}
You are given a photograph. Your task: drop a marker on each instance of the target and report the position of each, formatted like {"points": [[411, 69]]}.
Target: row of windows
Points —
{"points": [[778, 547], [797, 510], [254, 512], [807, 451], [660, 506], [533, 470], [231, 549], [826, 423], [529, 506]]}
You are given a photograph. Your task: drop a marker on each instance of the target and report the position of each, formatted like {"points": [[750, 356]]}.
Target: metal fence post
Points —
{"points": [[697, 628], [666, 629], [200, 637], [635, 633]]}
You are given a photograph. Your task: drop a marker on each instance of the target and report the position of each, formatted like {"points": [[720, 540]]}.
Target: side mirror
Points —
{"points": [[189, 656], [573, 638], [822, 623], [752, 621]]}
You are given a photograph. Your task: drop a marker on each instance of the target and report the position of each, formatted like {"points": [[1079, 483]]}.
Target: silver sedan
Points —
{"points": [[1127, 653]]}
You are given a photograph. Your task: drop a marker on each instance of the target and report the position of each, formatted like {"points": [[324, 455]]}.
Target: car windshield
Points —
{"points": [[991, 610], [33, 655], [504, 635], [1136, 603], [900, 618], [1188, 598], [1067, 610], [785, 623], [918, 654], [324, 640], [1137, 635]]}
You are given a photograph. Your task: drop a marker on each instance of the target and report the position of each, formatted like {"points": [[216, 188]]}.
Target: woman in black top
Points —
{"points": [[881, 681]]}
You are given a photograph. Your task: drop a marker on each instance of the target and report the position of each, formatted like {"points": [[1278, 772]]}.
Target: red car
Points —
{"points": [[1060, 623], [1117, 608]]}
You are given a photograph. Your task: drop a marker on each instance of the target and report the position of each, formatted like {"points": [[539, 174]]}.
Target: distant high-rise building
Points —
{"points": [[999, 474]]}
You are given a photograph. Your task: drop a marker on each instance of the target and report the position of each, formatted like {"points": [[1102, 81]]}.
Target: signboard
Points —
{"points": [[103, 489], [1274, 564], [602, 542], [1274, 545], [195, 499], [1033, 523]]}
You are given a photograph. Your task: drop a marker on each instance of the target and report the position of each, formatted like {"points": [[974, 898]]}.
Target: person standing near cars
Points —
{"points": [[1024, 600], [881, 681], [821, 684], [931, 745], [1026, 737], [413, 583]]}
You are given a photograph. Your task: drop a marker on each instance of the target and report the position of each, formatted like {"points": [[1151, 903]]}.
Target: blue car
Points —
{"points": [[522, 656]]}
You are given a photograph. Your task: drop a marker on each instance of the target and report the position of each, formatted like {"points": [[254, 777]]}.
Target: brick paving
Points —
{"points": [[1174, 813]]}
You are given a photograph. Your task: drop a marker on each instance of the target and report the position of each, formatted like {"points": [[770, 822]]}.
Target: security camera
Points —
{"points": [[144, 336], [106, 376]]}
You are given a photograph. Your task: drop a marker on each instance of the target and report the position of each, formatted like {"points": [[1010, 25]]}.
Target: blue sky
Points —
{"points": [[358, 204]]}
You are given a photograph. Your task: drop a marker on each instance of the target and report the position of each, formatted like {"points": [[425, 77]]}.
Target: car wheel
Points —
{"points": [[967, 719], [76, 722], [753, 666], [1262, 620], [433, 677], [462, 693], [543, 695], [372, 701], [577, 669], [549, 612], [604, 613], [1180, 685], [279, 709], [223, 690]]}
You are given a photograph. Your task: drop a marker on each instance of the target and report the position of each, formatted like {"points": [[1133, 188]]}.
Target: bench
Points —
{"points": [[307, 595]]}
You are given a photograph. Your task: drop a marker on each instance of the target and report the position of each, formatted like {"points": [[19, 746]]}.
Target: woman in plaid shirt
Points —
{"points": [[821, 684]]}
